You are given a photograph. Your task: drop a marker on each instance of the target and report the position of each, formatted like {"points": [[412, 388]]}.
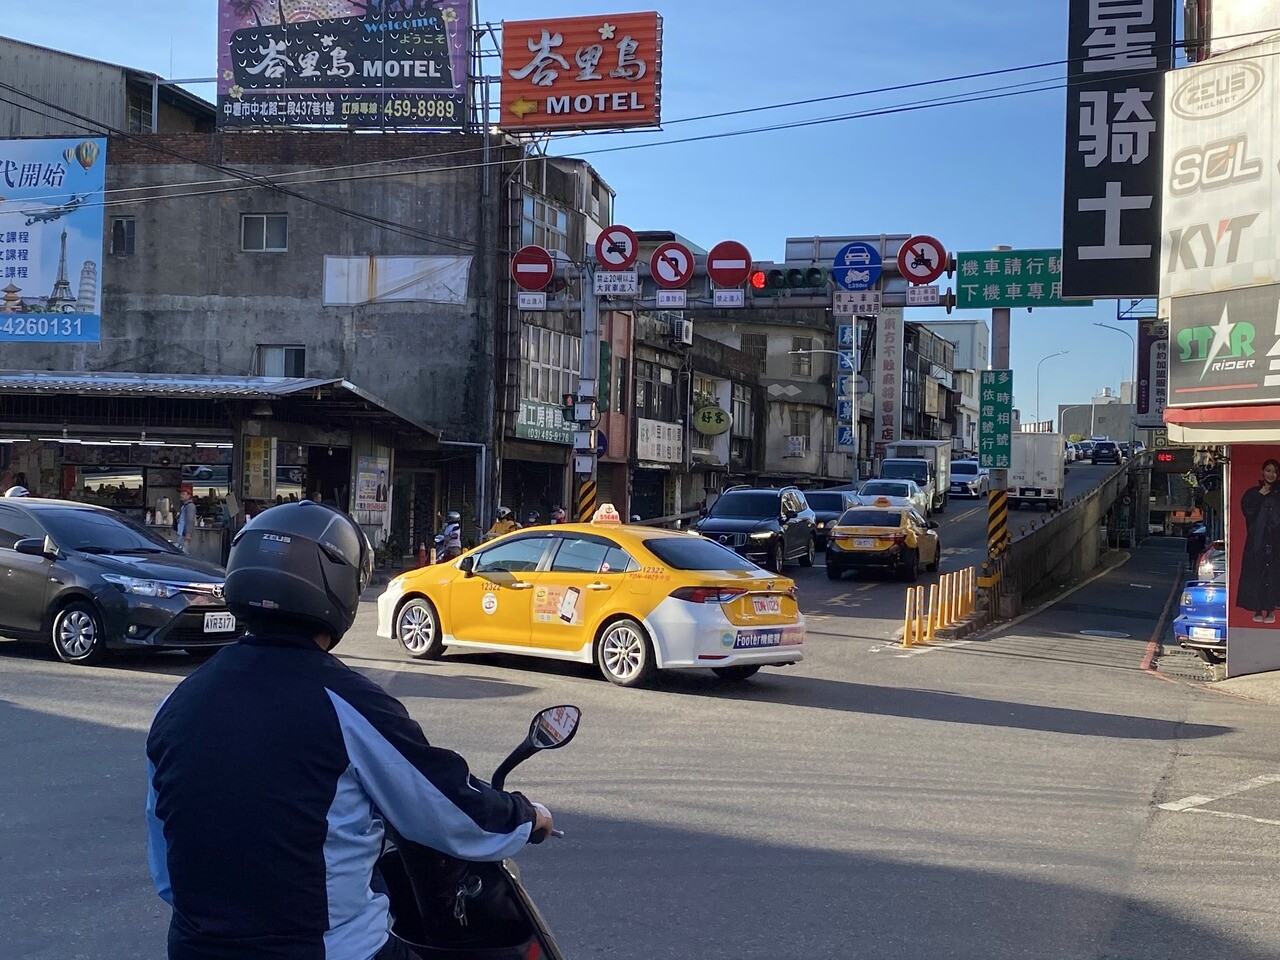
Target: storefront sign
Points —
{"points": [[373, 489], [995, 418], [51, 240], [1219, 220], [1117, 52], [1011, 278], [375, 64], [1153, 373], [1253, 542], [577, 73], [659, 442], [1224, 348], [887, 391], [712, 421], [544, 422], [259, 468]]}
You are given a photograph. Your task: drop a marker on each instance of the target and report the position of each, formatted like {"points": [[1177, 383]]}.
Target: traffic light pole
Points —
{"points": [[588, 394], [998, 492]]}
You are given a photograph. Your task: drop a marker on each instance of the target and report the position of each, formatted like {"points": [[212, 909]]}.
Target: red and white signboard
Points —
{"points": [[729, 264], [532, 268], [922, 259], [617, 248], [671, 265]]}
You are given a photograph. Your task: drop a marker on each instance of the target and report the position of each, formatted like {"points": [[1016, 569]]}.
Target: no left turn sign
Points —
{"points": [[671, 265]]}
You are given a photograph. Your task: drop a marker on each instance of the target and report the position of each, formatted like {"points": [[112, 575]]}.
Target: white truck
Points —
{"points": [[927, 462], [1036, 471]]}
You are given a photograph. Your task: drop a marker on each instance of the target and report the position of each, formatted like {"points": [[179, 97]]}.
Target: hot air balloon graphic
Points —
{"points": [[69, 154], [86, 154]]}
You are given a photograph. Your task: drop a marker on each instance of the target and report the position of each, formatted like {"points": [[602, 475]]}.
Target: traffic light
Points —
{"points": [[775, 279], [567, 401], [606, 376]]}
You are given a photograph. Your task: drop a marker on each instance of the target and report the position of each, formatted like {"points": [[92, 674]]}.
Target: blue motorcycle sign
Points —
{"points": [[857, 266]]}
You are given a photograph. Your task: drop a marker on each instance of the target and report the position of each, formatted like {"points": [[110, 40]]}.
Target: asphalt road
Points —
{"points": [[997, 800]]}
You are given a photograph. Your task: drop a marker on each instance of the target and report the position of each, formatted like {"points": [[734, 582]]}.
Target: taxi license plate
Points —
{"points": [[1204, 633], [219, 623], [864, 543], [766, 605]]}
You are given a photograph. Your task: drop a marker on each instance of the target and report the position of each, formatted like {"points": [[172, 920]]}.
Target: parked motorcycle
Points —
{"points": [[444, 908]]}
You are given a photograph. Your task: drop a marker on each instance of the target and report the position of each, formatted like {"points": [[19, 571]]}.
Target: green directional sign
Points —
{"points": [[1011, 278], [995, 418]]}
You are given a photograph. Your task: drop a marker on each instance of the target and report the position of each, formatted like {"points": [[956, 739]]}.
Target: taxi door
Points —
{"points": [[493, 605], [583, 580], [926, 539]]}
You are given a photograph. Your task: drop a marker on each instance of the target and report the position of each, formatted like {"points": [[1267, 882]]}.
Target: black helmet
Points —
{"points": [[302, 565], [453, 516]]}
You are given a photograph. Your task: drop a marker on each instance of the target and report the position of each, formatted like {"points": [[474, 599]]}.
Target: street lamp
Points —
{"points": [[1075, 406], [1060, 353], [853, 407], [1133, 382]]}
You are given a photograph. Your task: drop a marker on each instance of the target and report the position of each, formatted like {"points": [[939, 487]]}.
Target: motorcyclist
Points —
{"points": [[505, 522], [533, 519], [558, 515], [17, 490], [275, 770], [449, 542], [1197, 540]]}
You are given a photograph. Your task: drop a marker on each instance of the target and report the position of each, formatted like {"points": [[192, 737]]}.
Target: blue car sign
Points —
{"points": [[857, 266]]}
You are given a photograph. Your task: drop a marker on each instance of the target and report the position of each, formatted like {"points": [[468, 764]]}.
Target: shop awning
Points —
{"points": [[326, 397], [1229, 424]]}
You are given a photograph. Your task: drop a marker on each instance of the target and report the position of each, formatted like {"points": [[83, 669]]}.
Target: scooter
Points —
{"points": [[444, 908]]}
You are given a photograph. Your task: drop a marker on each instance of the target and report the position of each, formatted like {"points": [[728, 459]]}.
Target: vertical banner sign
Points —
{"points": [[1117, 52], [888, 386], [995, 419], [373, 490], [51, 240], [345, 62], [1153, 373], [848, 366], [1253, 570]]}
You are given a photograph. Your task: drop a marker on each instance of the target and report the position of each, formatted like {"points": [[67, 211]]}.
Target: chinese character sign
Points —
{"points": [[1153, 373], [51, 195], [886, 392], [381, 63], [542, 421], [259, 476], [995, 418], [659, 442], [1117, 52], [1011, 278], [373, 490], [579, 73]]}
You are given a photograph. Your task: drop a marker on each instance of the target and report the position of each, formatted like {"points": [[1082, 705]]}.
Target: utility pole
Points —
{"points": [[585, 462], [998, 495]]}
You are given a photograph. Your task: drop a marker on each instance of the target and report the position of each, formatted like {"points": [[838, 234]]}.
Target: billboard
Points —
{"points": [[1237, 23], [580, 73], [380, 63], [1224, 348], [1220, 231], [1153, 374], [1253, 559], [51, 240], [1117, 51], [887, 390]]}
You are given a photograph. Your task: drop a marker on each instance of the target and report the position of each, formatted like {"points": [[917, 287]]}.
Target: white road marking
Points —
{"points": [[1141, 586], [907, 653], [1196, 802]]}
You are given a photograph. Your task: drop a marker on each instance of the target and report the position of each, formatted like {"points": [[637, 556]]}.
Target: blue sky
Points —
{"points": [[973, 175]]}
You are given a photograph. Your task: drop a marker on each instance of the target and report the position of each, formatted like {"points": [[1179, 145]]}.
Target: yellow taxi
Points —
{"points": [[631, 599], [883, 535]]}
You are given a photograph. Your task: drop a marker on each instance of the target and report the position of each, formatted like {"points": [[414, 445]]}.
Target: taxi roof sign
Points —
{"points": [[883, 502], [606, 515]]}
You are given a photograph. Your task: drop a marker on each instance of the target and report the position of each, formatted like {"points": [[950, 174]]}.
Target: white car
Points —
{"points": [[968, 479], [899, 493]]}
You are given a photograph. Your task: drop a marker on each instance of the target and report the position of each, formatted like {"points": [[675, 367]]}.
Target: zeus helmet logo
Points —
{"points": [[1217, 164], [1209, 344], [276, 538]]}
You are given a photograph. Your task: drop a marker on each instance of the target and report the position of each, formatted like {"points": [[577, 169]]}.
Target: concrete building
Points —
{"points": [[972, 342], [928, 405], [1103, 416]]}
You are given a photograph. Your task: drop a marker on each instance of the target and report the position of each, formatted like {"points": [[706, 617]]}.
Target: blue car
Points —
{"points": [[1202, 619]]}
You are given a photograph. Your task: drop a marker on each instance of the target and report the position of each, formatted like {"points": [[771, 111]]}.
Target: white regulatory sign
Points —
{"points": [[613, 283], [531, 301], [730, 298], [856, 303], [929, 296]]}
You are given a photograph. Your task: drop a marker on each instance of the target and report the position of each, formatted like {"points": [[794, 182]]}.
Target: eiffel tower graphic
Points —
{"points": [[62, 300]]}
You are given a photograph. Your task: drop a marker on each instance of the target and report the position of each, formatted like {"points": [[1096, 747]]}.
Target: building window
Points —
{"points": [[551, 361], [264, 232], [798, 436], [140, 113], [655, 392], [122, 231], [756, 345], [801, 363], [741, 412], [544, 224], [282, 361]]}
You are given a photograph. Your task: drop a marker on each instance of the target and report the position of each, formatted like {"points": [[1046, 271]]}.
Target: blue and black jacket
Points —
{"points": [[270, 772]]}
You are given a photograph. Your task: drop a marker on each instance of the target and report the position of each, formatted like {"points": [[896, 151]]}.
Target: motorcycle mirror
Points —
{"points": [[554, 727]]}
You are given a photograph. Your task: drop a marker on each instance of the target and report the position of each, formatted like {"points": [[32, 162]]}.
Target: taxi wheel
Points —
{"points": [[807, 559], [937, 560], [834, 572], [911, 569], [737, 674], [624, 654], [418, 630]]}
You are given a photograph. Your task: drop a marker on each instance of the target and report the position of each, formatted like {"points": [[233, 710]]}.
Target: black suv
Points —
{"points": [[1106, 451], [767, 525], [87, 580], [828, 507]]}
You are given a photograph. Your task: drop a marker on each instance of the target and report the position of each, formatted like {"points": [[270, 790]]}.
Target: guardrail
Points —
{"points": [[953, 599]]}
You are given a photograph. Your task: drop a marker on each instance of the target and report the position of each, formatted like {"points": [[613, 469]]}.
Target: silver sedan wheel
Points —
{"points": [[624, 654], [77, 633], [418, 630]]}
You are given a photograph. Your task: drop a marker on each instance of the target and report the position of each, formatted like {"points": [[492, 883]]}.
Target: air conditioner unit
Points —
{"points": [[682, 331]]}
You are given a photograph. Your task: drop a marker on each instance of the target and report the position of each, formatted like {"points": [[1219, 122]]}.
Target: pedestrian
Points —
{"points": [[1197, 540], [186, 516], [1258, 586]]}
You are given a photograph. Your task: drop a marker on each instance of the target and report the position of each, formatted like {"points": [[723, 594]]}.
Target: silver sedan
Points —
{"points": [[899, 493]]}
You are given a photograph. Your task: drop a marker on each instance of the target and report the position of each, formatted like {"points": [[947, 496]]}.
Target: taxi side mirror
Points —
{"points": [[467, 565], [789, 514], [933, 524]]}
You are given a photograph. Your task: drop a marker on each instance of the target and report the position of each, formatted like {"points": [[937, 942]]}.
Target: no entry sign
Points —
{"points": [[922, 259], [532, 268], [671, 265], [617, 247], [729, 264]]}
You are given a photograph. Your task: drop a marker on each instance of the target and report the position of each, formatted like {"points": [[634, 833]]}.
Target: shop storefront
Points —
{"points": [[655, 486], [536, 465]]}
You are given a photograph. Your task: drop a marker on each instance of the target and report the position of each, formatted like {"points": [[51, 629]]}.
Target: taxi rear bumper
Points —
{"points": [[698, 636], [892, 558]]}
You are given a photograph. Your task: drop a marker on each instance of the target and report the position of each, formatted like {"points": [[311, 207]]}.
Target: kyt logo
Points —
{"points": [[1224, 348], [1217, 164], [1202, 245]]}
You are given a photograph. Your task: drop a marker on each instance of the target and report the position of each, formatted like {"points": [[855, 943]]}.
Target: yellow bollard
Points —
{"points": [[908, 619], [965, 596], [929, 621], [920, 613], [953, 611], [973, 591], [944, 602]]}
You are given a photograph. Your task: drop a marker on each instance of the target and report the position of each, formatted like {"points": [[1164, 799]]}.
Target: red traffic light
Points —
{"points": [[757, 280]]}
